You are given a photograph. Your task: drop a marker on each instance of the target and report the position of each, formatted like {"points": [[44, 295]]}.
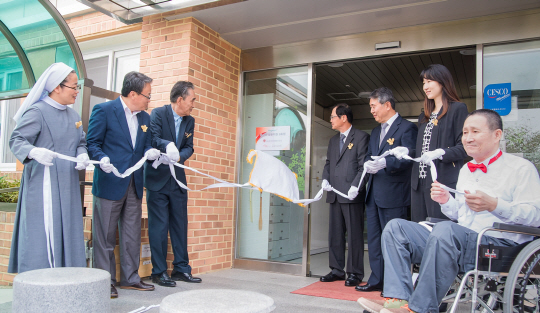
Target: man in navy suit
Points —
{"points": [[119, 136], [172, 132], [389, 186]]}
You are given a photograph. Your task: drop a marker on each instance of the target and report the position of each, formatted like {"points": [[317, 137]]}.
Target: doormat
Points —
{"points": [[336, 290]]}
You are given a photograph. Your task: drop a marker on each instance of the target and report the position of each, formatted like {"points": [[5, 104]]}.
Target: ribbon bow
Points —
{"points": [[473, 167]]}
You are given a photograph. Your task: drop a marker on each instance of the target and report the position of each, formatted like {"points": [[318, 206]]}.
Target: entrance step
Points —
{"points": [[217, 300], [65, 289]]}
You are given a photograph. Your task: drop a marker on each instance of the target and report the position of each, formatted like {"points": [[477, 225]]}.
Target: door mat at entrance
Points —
{"points": [[336, 290]]}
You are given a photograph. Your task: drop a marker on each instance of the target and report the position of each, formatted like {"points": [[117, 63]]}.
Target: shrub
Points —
{"points": [[9, 197]]}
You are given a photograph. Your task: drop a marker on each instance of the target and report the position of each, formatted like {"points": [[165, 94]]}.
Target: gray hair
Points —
{"points": [[180, 89], [134, 81], [384, 95]]}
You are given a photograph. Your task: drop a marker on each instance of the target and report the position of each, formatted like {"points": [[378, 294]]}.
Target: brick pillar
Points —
{"points": [[186, 49]]}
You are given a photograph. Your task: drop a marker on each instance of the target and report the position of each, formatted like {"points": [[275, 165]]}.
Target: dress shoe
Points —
{"points": [[368, 287], [139, 286], [114, 292], [330, 277], [184, 277], [352, 280], [163, 279]]}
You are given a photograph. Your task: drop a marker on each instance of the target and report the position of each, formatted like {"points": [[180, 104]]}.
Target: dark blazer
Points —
{"points": [[447, 136], [108, 136], [344, 169], [163, 133], [391, 187]]}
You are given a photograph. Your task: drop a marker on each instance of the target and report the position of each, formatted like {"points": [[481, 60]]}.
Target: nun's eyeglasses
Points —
{"points": [[76, 88]]}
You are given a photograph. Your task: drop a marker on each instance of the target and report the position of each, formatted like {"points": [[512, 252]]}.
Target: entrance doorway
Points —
{"points": [[351, 82]]}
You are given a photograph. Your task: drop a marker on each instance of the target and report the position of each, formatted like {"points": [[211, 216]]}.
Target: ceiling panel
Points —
{"points": [[260, 23], [399, 73]]}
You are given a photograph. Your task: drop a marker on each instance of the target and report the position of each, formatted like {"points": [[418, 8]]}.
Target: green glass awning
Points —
{"points": [[33, 36]]}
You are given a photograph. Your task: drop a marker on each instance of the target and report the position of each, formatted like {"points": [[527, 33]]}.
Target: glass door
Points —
{"points": [[517, 64], [270, 228]]}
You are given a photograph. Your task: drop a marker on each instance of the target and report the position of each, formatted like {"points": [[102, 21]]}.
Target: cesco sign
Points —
{"points": [[498, 97]]}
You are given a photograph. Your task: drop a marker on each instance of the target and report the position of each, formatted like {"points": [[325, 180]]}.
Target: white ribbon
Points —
{"points": [[163, 159]]}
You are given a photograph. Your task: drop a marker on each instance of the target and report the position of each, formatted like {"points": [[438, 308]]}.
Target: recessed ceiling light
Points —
{"points": [[338, 64], [468, 51], [364, 94]]}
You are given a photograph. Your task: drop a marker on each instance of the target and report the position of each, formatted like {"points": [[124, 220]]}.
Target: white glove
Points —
{"points": [[370, 167], [353, 192], [106, 165], [172, 152], [326, 185], [374, 166], [400, 152], [432, 155], [42, 156], [83, 161], [152, 154]]}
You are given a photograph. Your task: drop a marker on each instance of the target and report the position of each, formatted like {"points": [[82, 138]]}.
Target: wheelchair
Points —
{"points": [[505, 279]]}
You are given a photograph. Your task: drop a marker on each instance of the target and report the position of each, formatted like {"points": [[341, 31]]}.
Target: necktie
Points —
{"points": [[383, 132], [473, 167], [177, 122], [341, 141]]}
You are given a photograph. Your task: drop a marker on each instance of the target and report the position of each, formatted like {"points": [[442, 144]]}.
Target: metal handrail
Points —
{"points": [[12, 189]]}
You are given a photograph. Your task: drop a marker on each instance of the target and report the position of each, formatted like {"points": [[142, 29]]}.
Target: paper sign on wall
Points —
{"points": [[273, 138], [498, 97]]}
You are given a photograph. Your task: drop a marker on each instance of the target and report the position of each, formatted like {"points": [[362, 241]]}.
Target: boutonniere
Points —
{"points": [[435, 122], [78, 124], [350, 146], [390, 141], [188, 135], [144, 128]]}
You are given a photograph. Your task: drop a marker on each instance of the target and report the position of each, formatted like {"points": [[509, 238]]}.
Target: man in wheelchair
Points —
{"points": [[496, 186]]}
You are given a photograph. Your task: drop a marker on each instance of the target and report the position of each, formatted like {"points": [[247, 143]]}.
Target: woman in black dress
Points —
{"points": [[439, 139]]}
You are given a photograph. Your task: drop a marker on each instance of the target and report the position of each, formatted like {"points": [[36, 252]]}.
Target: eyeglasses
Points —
{"points": [[332, 117], [76, 88], [147, 97]]}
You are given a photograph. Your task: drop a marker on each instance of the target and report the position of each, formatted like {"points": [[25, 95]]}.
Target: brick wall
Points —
{"points": [[186, 49], [176, 50]]}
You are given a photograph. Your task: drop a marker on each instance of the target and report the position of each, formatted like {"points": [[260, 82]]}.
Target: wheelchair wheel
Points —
{"points": [[522, 288]]}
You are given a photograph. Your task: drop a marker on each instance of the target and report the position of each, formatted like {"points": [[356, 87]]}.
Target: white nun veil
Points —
{"points": [[50, 79]]}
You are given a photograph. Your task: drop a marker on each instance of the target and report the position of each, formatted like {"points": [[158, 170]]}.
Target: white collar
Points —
{"points": [[126, 109], [486, 161], [391, 120], [54, 104], [346, 133]]}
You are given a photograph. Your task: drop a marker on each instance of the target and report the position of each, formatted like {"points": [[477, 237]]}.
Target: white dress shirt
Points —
{"points": [[346, 133], [391, 121], [513, 181], [132, 122]]}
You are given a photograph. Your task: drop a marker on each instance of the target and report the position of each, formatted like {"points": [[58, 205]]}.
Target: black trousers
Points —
{"points": [[167, 213], [421, 204], [346, 219]]}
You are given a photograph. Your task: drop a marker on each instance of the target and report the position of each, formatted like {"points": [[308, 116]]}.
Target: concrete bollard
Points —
{"points": [[64, 289], [217, 300]]}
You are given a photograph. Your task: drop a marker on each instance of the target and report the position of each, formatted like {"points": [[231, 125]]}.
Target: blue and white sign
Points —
{"points": [[498, 97]]}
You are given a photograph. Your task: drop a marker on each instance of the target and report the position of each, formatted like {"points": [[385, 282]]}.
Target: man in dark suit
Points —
{"points": [[388, 189], [342, 171], [118, 137], [172, 132]]}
